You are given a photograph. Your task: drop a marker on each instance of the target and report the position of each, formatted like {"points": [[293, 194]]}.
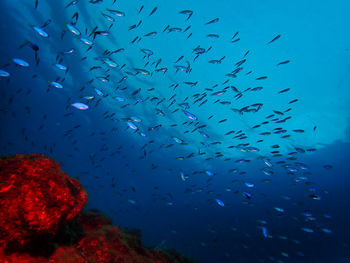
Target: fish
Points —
{"points": [[278, 209], [73, 29], [151, 34], [307, 229], [55, 84], [4, 74], [116, 12], [274, 39], [72, 3], [192, 84], [234, 35], [61, 67], [142, 71], [21, 62], [264, 232], [283, 62], [284, 90], [131, 125], [69, 51], [189, 13], [120, 82], [217, 61], [190, 115], [174, 29], [108, 17], [212, 35], [215, 20], [141, 8], [186, 29], [40, 31], [327, 230], [298, 131], [220, 202], [153, 11], [249, 185], [247, 195], [86, 41], [80, 106]]}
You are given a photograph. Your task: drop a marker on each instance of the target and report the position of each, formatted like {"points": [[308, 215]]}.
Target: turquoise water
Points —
{"points": [[225, 192]]}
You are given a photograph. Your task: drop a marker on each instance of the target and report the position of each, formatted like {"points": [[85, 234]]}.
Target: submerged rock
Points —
{"points": [[36, 199], [41, 220]]}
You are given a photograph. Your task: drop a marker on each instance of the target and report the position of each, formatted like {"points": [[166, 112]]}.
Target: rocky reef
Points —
{"points": [[41, 220]]}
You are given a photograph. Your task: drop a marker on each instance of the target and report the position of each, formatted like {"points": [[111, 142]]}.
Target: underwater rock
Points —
{"points": [[103, 242], [36, 199], [41, 220]]}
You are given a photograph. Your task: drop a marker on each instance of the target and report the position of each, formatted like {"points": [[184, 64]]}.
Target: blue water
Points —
{"points": [[297, 211]]}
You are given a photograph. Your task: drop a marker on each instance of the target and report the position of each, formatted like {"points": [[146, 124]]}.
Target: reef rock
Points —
{"points": [[41, 220], [36, 199]]}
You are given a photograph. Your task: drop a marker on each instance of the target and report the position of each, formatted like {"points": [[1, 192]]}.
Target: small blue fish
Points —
{"points": [[40, 31], [267, 162], [98, 92], [307, 230], [177, 140], [20, 62], [264, 231], [61, 67], [208, 172], [109, 18], [220, 202], [73, 29], [131, 201], [4, 73], [80, 106], [250, 185], [278, 209], [247, 195], [110, 62], [86, 41], [116, 12], [131, 125], [72, 3], [190, 115], [182, 175], [189, 13], [55, 84], [142, 134], [326, 230], [119, 98], [135, 119], [70, 51], [212, 21]]}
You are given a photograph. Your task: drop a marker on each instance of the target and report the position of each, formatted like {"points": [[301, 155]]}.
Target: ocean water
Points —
{"points": [[186, 150]]}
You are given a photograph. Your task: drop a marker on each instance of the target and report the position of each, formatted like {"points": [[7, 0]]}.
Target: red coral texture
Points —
{"points": [[36, 199], [41, 220]]}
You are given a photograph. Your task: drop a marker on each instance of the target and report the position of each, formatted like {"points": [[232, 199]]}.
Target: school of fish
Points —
{"points": [[195, 116]]}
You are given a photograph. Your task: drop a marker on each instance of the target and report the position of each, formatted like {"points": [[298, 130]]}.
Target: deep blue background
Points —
{"points": [[105, 155]]}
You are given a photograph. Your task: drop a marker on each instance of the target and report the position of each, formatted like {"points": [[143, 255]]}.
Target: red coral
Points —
{"points": [[36, 198]]}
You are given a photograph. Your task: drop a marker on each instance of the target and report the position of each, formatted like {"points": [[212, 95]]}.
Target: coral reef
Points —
{"points": [[36, 198], [41, 220]]}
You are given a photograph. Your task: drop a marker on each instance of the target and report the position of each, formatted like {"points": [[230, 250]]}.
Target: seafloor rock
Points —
{"points": [[40, 220], [36, 199], [104, 243]]}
